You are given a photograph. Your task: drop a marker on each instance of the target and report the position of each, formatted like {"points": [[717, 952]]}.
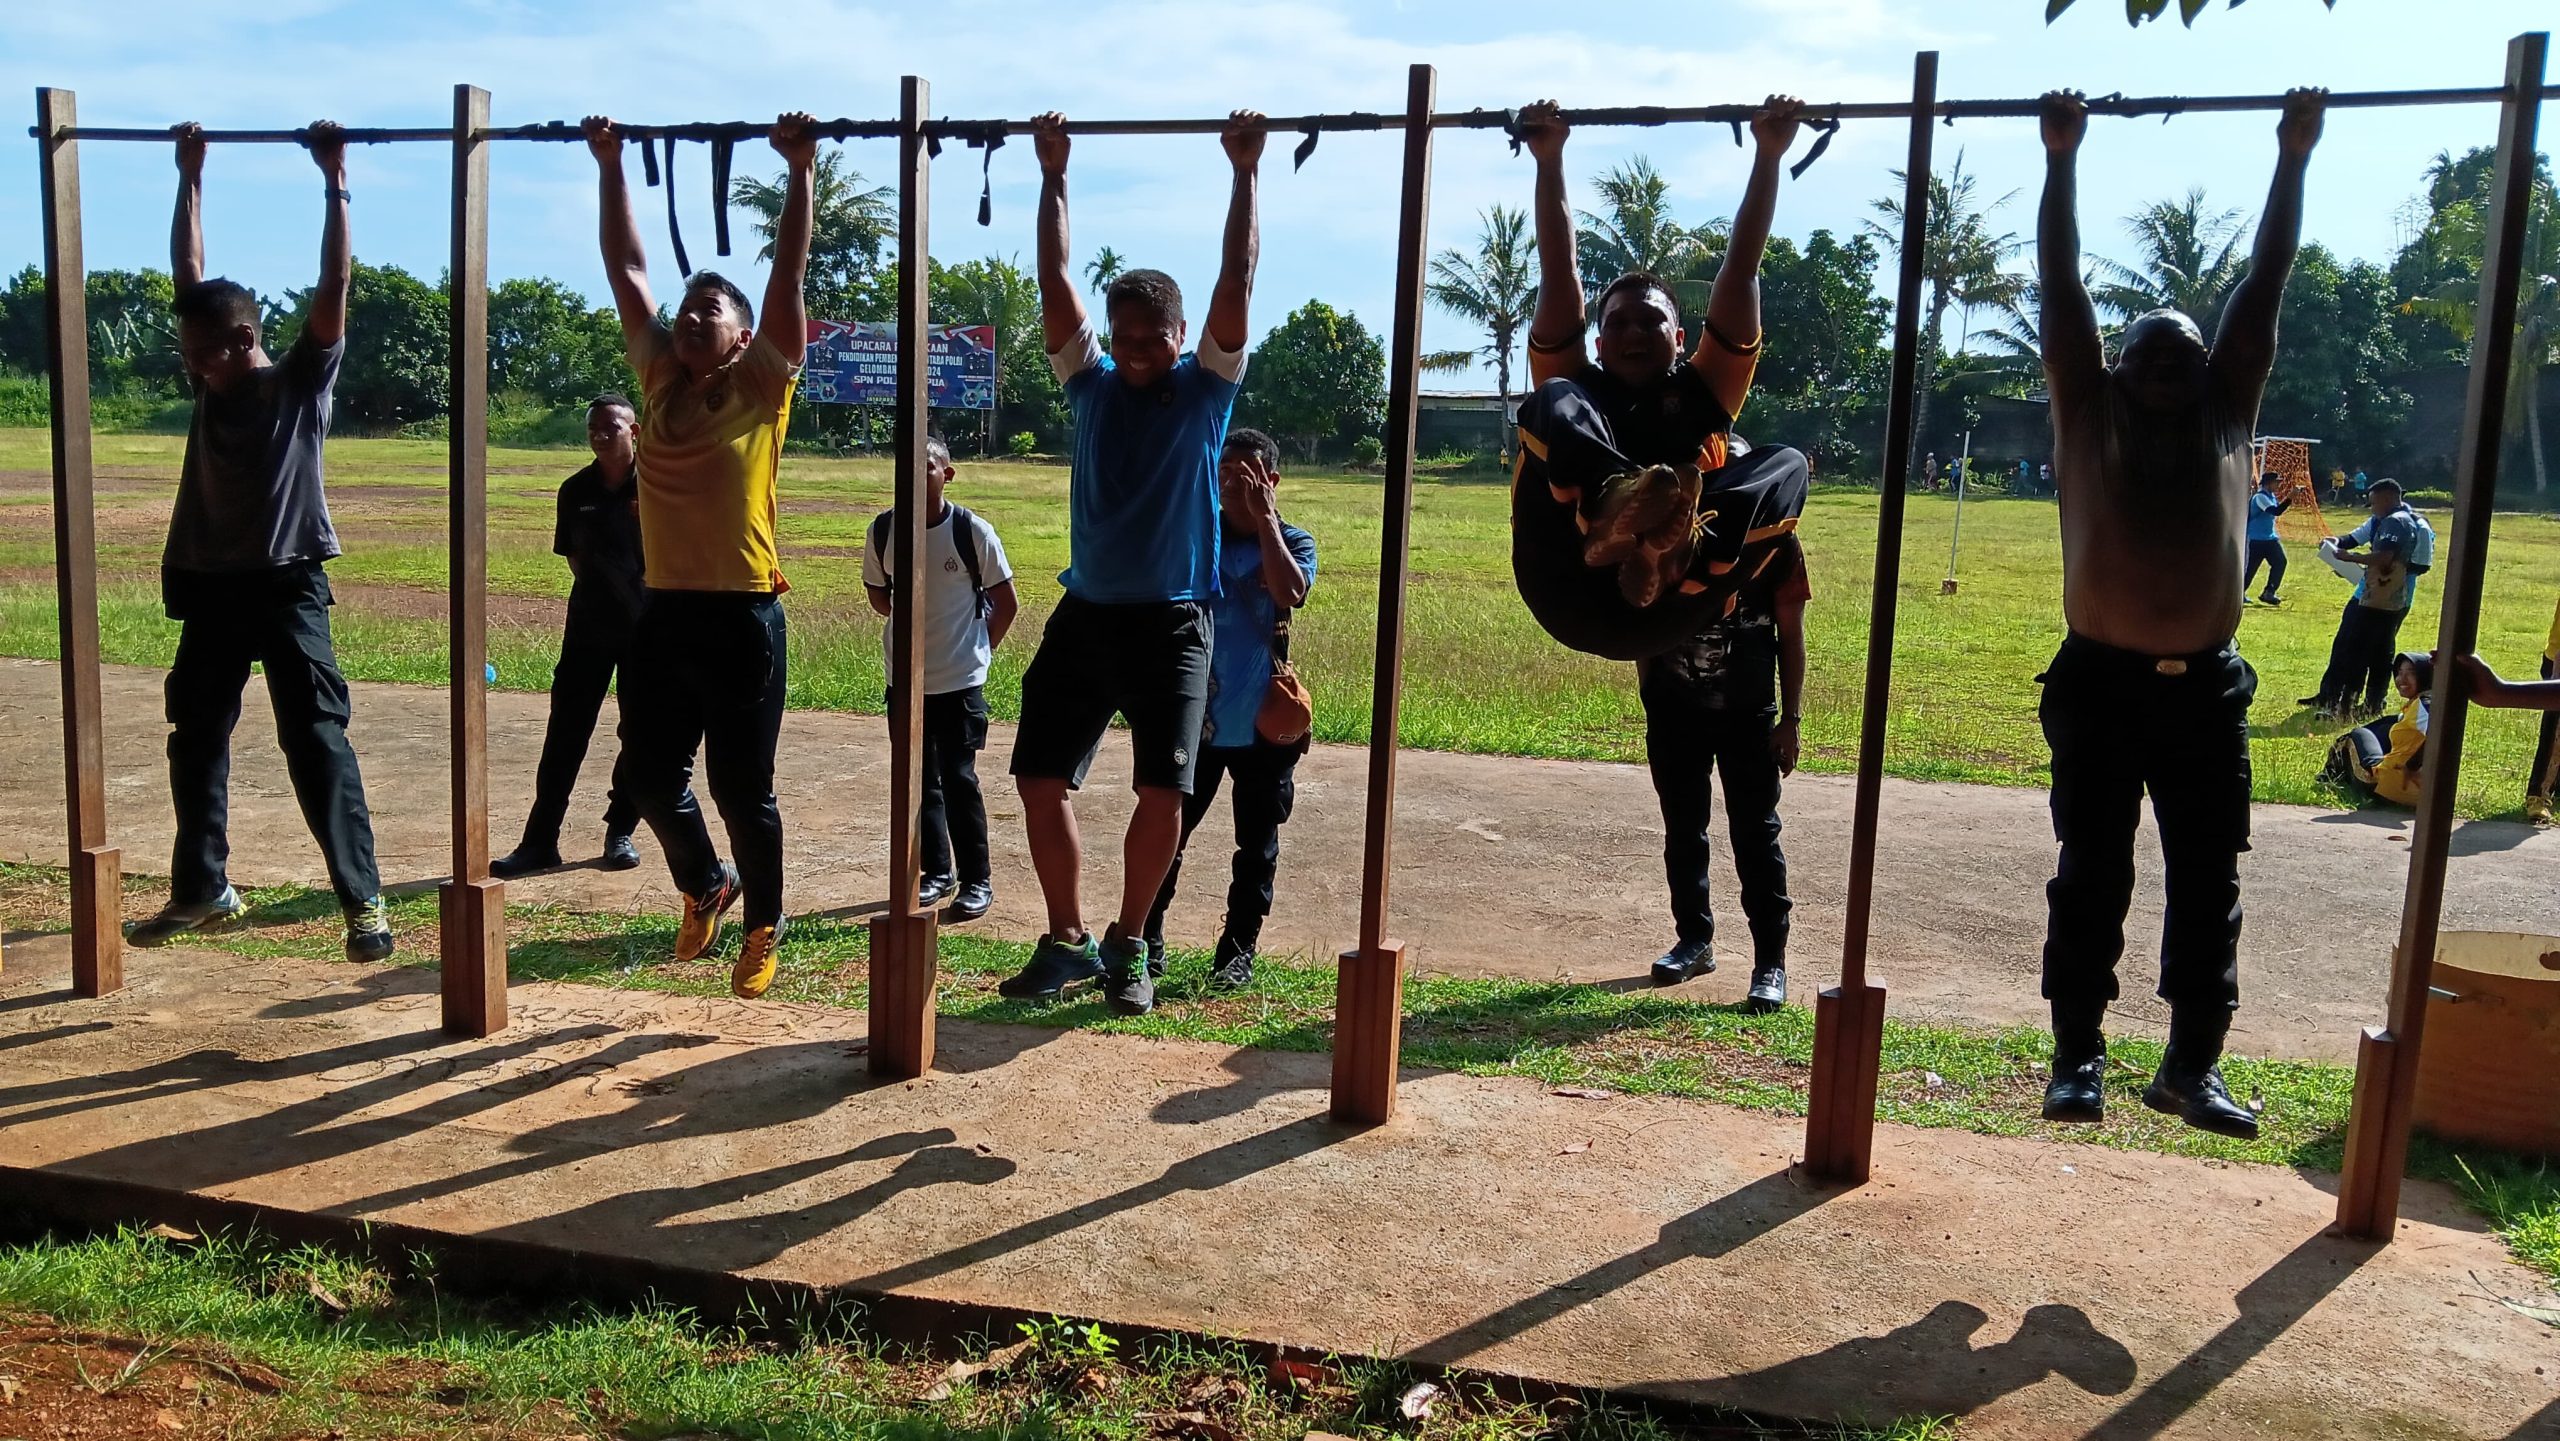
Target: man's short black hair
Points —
{"points": [[1152, 289], [1638, 281], [2387, 483], [220, 302], [936, 446], [702, 280], [613, 400], [1254, 443], [2271, 478]]}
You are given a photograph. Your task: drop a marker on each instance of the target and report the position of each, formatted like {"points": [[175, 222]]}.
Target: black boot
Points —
{"points": [[2189, 1084], [2077, 1093]]}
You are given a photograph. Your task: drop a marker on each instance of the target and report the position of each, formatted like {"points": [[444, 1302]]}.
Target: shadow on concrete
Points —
{"points": [[2487, 837], [366, 988], [1932, 1367], [53, 1033], [1723, 1225], [2542, 1425], [2269, 1306]]}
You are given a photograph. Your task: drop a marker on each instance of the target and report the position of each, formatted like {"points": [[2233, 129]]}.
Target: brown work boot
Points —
{"points": [[1639, 506]]}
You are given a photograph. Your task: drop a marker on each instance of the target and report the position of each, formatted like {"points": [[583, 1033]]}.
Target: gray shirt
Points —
{"points": [[249, 496]]}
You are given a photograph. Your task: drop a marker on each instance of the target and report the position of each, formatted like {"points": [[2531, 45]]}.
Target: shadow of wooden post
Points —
{"points": [[1369, 985], [2387, 1056]]}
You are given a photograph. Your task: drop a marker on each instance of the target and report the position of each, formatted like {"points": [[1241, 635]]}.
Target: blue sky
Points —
{"points": [[1328, 231]]}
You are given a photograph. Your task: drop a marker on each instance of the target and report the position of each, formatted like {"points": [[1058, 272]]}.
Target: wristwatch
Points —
{"points": [[338, 193]]}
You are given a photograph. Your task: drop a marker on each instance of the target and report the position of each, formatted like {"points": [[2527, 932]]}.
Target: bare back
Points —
{"points": [[2154, 518]]}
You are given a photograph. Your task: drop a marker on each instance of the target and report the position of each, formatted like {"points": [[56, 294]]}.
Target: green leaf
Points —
{"points": [[2188, 10], [2053, 9]]}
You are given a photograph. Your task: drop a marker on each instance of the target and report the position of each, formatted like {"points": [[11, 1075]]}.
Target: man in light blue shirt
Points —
{"points": [[2264, 548], [2396, 547]]}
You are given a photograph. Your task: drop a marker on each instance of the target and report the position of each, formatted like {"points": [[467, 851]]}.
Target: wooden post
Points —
{"points": [[472, 905], [1848, 1019], [1368, 996], [97, 869], [905, 949], [2387, 1056]]}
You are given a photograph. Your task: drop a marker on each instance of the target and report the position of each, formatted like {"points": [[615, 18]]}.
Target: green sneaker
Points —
{"points": [[205, 918], [369, 931], [1055, 965]]}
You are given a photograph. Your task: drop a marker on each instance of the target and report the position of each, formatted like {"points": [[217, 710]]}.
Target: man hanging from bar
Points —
{"points": [[1131, 635], [243, 573], [2153, 464], [707, 662], [1630, 527]]}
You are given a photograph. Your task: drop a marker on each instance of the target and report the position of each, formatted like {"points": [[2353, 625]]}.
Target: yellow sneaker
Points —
{"points": [[752, 976], [699, 928], [2537, 809]]}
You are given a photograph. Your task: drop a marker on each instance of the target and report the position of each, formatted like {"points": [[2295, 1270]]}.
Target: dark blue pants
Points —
{"points": [[2269, 553], [1683, 744], [590, 650], [278, 620], [2361, 656], [951, 829], [1266, 791], [708, 670]]}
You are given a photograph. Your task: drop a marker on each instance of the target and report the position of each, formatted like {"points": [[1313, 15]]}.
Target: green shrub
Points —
{"points": [[1367, 451], [1024, 443]]}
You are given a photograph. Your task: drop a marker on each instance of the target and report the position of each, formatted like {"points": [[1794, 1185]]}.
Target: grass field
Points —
{"points": [[1480, 675]]}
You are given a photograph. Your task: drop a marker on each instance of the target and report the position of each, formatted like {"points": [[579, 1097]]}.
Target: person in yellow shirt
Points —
{"points": [[708, 659], [2385, 758], [2538, 783]]}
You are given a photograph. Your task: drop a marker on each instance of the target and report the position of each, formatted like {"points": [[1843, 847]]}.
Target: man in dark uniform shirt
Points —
{"points": [[598, 533]]}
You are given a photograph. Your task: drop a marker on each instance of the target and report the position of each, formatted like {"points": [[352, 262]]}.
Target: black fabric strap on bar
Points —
{"points": [[1306, 147], [675, 232], [1737, 133], [1511, 127], [992, 140], [721, 150], [649, 161], [1824, 130]]}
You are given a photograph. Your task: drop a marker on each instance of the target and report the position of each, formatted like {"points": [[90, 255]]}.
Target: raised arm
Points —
{"points": [[1261, 509], [1733, 307], [1230, 305], [1557, 344], [2066, 323], [626, 265], [785, 320], [2245, 350], [326, 324], [1062, 311], [186, 227]]}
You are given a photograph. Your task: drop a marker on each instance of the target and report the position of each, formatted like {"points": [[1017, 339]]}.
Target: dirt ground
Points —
{"points": [[2036, 1290], [1527, 868]]}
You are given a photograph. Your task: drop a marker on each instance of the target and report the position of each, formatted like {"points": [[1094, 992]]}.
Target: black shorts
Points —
{"points": [[1147, 662]]}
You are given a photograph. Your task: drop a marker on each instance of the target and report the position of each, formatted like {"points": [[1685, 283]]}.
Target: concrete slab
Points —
{"points": [[2040, 1290], [1537, 869]]}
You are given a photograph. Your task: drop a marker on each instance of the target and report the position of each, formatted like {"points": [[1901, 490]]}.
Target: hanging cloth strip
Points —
{"points": [[675, 232], [721, 152]]}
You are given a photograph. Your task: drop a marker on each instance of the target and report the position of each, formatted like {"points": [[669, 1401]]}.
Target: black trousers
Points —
{"points": [[708, 670], [951, 834], [2269, 553], [2538, 781], [2361, 656], [1683, 743], [2119, 725], [1266, 791], [590, 650], [278, 620]]}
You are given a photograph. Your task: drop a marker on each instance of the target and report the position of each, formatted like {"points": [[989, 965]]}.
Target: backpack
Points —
{"points": [[964, 539]]}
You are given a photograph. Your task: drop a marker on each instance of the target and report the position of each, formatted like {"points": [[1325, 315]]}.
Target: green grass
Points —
{"points": [[1480, 675], [1632, 1042], [279, 1340]]}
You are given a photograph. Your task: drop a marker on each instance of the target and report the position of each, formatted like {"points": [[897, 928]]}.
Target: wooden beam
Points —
{"points": [[1848, 1030], [1369, 987], [905, 950], [472, 906], [2387, 1059], [97, 869]]}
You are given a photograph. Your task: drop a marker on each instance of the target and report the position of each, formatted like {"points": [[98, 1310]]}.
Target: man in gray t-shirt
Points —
{"points": [[242, 571]]}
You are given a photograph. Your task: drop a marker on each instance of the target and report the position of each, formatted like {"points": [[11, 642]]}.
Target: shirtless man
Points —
{"points": [[2152, 460]]}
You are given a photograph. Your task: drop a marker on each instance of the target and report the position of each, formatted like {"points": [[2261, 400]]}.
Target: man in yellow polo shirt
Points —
{"points": [[707, 665]]}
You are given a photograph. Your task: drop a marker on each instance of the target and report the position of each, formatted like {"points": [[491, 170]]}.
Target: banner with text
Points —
{"points": [[855, 362]]}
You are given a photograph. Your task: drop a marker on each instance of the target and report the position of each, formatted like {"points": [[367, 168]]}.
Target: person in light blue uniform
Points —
{"points": [[2264, 548]]}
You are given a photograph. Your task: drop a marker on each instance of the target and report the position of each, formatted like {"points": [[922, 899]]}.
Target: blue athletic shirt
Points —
{"points": [[1240, 638], [1142, 497], [2262, 515]]}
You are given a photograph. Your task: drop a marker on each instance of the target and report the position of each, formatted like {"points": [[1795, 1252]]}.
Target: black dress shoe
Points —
{"points": [[1686, 960], [524, 860], [972, 900], [932, 891], [1232, 969], [619, 854], [2077, 1093], [2198, 1097], [1768, 990]]}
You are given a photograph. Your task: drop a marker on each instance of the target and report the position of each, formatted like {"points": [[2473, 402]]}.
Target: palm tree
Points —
{"points": [[996, 292], [2187, 259], [2013, 354], [1635, 231], [849, 226], [1497, 288], [1104, 268], [1961, 259], [2463, 227]]}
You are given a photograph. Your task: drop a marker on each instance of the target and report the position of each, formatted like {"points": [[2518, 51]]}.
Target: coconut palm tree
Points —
{"points": [[2463, 230], [1635, 231], [1961, 260], [1104, 268], [2187, 258], [850, 225], [1497, 288]]}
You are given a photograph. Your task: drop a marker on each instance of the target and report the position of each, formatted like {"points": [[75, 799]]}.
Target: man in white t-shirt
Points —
{"points": [[968, 607]]}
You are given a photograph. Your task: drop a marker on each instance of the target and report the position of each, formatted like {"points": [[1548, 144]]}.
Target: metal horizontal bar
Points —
{"points": [[2129, 106]]}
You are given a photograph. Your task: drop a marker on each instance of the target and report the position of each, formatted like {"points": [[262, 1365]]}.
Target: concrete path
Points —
{"points": [[1509, 867], [2039, 1290]]}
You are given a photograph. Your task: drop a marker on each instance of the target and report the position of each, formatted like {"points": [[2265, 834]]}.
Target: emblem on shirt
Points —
{"points": [[718, 397], [951, 565], [1181, 757]]}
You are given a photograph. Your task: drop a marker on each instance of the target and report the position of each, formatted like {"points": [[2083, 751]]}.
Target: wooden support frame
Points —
{"points": [[1848, 1019], [905, 944], [97, 869], [1368, 1001], [2387, 1056], [472, 906]]}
